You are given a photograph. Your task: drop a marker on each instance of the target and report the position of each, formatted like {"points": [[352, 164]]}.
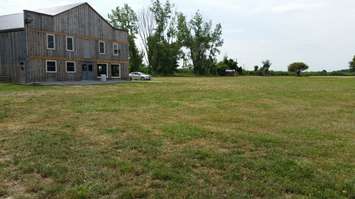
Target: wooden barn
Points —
{"points": [[66, 43]]}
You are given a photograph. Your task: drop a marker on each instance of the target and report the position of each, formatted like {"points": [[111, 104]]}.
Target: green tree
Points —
{"points": [[202, 41], [266, 65], [352, 65], [230, 64], [164, 50], [297, 67], [221, 68], [256, 68], [125, 18]]}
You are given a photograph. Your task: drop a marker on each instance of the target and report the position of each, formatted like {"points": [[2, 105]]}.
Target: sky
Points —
{"points": [[320, 33]]}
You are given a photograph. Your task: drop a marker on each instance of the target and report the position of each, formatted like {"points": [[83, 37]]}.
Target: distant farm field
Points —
{"points": [[243, 137]]}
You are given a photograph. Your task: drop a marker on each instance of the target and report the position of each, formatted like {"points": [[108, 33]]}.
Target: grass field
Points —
{"points": [[247, 137]]}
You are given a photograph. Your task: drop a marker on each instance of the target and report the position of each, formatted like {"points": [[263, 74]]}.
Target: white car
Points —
{"points": [[139, 76]]}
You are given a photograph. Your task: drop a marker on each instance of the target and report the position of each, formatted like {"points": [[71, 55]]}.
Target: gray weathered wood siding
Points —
{"points": [[12, 56], [87, 28]]}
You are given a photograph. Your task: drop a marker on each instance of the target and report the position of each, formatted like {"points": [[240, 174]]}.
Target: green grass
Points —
{"points": [[243, 137]]}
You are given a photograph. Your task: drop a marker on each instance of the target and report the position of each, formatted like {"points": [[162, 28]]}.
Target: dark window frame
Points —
{"points": [[67, 38], [66, 66], [119, 71], [53, 42], [115, 47], [55, 66], [104, 47], [106, 71]]}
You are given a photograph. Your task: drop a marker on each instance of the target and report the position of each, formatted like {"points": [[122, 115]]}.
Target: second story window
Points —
{"points": [[116, 50], [50, 41], [102, 47], [70, 43]]}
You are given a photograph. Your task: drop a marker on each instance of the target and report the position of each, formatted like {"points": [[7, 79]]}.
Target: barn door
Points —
{"points": [[84, 72], [87, 72]]}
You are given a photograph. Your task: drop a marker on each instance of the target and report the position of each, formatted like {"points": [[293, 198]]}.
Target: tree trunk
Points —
{"points": [[298, 73]]}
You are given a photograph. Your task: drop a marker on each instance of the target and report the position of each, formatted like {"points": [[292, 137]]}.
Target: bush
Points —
{"points": [[144, 69], [221, 68], [184, 72]]}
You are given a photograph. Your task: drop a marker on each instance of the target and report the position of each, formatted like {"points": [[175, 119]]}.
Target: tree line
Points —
{"points": [[167, 36]]}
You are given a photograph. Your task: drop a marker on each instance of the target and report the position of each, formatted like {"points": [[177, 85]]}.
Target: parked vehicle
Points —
{"points": [[139, 76]]}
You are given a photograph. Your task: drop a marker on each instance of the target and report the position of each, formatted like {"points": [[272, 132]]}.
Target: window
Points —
{"points": [[115, 71], [70, 67], [70, 43], [101, 69], [51, 66], [116, 50], [50, 41], [102, 47]]}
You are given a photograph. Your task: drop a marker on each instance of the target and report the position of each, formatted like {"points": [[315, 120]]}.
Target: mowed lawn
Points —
{"points": [[234, 137]]}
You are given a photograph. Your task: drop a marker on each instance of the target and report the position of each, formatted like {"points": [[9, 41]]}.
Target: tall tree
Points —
{"points": [[352, 65], [146, 24], [202, 41], [164, 49], [125, 18], [256, 68], [266, 67]]}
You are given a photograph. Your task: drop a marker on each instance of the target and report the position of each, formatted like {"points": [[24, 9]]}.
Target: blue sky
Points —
{"points": [[318, 32]]}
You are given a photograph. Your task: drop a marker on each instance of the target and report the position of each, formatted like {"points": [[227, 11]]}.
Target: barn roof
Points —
{"points": [[13, 21], [16, 21], [58, 9]]}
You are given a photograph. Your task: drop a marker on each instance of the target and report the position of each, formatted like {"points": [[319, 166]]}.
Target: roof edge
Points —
{"points": [[12, 30], [85, 3], [37, 13], [104, 18], [18, 13]]}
